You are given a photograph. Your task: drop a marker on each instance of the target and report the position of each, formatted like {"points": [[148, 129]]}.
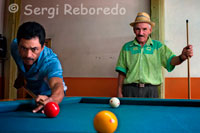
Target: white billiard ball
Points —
{"points": [[114, 102]]}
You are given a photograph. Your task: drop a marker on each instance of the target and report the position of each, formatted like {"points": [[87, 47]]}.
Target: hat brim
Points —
{"points": [[151, 23]]}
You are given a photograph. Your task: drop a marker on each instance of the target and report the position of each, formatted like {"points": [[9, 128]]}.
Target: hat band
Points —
{"points": [[143, 16]]}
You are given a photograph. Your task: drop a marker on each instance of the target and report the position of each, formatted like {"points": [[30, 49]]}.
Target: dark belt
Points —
{"points": [[141, 85]]}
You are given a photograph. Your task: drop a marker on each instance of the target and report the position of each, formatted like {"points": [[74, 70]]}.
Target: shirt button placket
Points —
{"points": [[141, 59]]}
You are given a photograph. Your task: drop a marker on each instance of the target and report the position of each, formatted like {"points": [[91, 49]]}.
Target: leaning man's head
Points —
{"points": [[31, 39]]}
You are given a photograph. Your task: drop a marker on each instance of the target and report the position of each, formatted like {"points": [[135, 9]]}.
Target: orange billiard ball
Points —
{"points": [[51, 109], [105, 122]]}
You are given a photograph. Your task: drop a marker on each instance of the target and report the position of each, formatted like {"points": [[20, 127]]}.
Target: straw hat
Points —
{"points": [[142, 17]]}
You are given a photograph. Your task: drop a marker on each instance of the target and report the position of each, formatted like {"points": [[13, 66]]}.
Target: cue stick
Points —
{"points": [[33, 95], [188, 64]]}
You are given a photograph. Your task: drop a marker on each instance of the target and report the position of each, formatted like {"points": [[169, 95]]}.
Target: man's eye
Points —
{"points": [[23, 48], [33, 49]]}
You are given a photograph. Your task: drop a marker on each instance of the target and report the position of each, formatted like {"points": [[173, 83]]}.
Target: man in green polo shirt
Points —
{"points": [[140, 61]]}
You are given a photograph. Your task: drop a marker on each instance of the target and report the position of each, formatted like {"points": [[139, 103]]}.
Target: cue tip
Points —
{"points": [[187, 21]]}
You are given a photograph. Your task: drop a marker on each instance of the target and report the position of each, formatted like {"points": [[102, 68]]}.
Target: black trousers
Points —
{"points": [[131, 90]]}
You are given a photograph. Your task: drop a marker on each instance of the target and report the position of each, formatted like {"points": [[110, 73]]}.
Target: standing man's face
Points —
{"points": [[142, 32], [30, 50]]}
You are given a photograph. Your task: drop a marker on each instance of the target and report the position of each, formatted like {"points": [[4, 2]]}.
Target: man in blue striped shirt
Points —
{"points": [[39, 66]]}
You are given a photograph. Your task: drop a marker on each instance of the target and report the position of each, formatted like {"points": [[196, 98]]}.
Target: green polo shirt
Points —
{"points": [[144, 64]]}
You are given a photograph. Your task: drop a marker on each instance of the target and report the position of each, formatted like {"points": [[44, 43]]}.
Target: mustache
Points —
{"points": [[26, 58], [140, 36]]}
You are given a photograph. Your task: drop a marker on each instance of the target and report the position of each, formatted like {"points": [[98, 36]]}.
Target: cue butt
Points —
{"points": [[187, 32]]}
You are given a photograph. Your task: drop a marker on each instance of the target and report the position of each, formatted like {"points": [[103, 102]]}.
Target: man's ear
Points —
{"points": [[43, 46], [133, 29], [150, 30]]}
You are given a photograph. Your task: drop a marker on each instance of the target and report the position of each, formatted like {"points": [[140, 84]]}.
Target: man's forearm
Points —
{"points": [[176, 60], [58, 93], [121, 78], [186, 53], [57, 88]]}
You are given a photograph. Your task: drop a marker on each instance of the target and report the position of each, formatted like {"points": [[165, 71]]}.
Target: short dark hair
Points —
{"points": [[29, 30]]}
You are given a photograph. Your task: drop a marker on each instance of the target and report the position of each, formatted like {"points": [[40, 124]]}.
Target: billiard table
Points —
{"points": [[77, 114]]}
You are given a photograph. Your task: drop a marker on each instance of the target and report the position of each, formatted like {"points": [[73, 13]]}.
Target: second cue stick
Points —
{"points": [[188, 64]]}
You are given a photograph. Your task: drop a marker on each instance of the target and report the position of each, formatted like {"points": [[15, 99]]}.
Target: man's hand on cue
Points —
{"points": [[41, 101]]}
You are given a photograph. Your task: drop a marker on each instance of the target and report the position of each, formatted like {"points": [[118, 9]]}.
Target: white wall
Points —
{"points": [[176, 14], [87, 45]]}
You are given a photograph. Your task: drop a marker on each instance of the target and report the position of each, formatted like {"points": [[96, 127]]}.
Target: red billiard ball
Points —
{"points": [[51, 109]]}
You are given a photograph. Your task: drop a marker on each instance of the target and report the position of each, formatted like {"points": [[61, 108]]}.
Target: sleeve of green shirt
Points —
{"points": [[121, 63], [166, 57]]}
